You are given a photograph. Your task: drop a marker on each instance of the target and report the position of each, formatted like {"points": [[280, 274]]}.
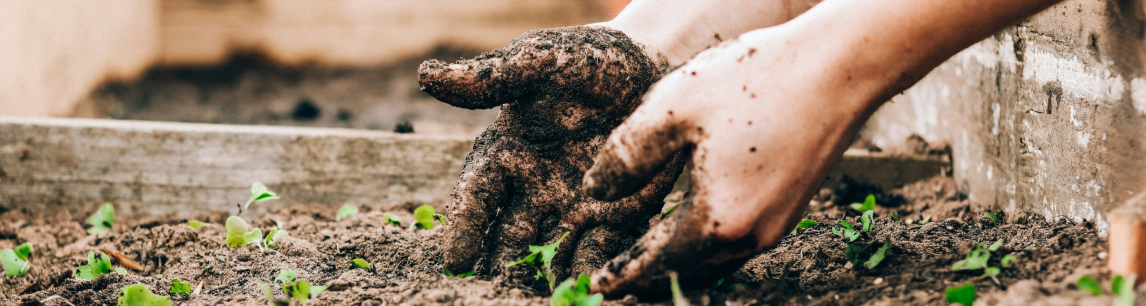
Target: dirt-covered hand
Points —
{"points": [[561, 92], [764, 118]]}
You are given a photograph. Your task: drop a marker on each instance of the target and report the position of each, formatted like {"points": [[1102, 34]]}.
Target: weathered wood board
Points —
{"points": [[159, 168]]}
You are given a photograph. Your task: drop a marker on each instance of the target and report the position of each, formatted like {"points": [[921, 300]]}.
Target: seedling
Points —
{"points": [[855, 253], [271, 296], [1007, 260], [963, 295], [925, 220], [894, 216], [994, 218], [867, 220], [96, 266], [575, 293], [1089, 285], [275, 237], [677, 295], [441, 218], [15, 261], [180, 287], [361, 264], [806, 223], [236, 229], [195, 224], [101, 221], [846, 230], [255, 237], [978, 257], [541, 259], [259, 193], [1123, 290], [424, 217], [868, 204], [139, 295], [298, 289], [463, 275], [346, 212], [670, 210], [391, 220]]}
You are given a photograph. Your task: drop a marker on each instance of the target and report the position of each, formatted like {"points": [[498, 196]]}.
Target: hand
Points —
{"points": [[561, 91], [764, 117]]}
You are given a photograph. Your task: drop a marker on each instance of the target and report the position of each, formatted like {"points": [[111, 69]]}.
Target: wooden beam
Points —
{"points": [[1127, 240]]}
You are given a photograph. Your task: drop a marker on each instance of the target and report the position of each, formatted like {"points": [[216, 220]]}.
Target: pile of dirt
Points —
{"points": [[809, 267], [249, 88]]}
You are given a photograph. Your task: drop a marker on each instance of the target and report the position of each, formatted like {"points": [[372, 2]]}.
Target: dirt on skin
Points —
{"points": [[806, 268]]}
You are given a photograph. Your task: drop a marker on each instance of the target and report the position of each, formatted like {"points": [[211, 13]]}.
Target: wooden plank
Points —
{"points": [[1127, 253], [179, 168]]}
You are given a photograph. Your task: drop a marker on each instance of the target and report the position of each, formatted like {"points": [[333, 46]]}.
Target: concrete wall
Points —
{"points": [[54, 52], [1047, 116]]}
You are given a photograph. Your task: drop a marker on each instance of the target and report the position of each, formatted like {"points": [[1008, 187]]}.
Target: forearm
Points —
{"points": [[678, 29], [888, 45]]}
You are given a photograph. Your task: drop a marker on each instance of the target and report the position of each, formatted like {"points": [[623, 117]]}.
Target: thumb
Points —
{"points": [[473, 84], [635, 152]]}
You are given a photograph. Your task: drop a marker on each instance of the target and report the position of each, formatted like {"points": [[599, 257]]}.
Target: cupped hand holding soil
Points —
{"points": [[561, 92]]}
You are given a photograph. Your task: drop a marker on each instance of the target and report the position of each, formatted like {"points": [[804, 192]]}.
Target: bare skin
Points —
{"points": [[765, 117]]}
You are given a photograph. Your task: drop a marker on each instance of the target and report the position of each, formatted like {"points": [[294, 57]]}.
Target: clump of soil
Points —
{"points": [[806, 268], [250, 88]]}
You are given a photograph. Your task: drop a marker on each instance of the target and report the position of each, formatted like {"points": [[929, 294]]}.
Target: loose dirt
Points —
{"points": [[806, 268]]}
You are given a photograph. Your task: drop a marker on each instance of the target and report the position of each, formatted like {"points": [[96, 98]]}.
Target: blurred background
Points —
{"points": [[338, 63]]}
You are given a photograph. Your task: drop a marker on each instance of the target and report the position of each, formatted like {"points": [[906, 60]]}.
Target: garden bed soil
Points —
{"points": [[806, 268]]}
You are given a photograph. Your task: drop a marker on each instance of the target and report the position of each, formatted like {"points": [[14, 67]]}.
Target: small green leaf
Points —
{"points": [[1123, 289], [847, 230], [13, 264], [541, 258], [994, 218], [299, 291], [463, 275], [315, 290], [670, 210], [259, 193], [253, 237], [806, 223], [894, 216], [101, 221], [868, 204], [975, 260], [120, 271], [964, 295], [24, 250], [995, 246], [925, 220], [677, 295], [424, 217], [867, 220], [97, 265], [360, 263], [286, 276], [346, 212], [878, 257], [194, 224], [275, 237], [236, 229], [391, 220], [441, 218], [1089, 285], [1007, 260], [139, 295], [990, 271], [179, 286]]}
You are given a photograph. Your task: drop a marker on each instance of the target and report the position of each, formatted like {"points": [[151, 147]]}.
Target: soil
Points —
{"points": [[250, 88], [806, 268]]}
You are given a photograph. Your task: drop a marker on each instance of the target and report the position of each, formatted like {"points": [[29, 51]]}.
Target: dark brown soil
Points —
{"points": [[806, 268], [249, 88]]}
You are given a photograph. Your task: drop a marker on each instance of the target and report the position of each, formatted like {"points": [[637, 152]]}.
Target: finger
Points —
{"points": [[636, 151], [493, 78], [516, 231], [681, 243], [597, 246], [480, 188]]}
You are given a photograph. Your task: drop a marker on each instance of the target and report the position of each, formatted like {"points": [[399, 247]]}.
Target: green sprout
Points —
{"points": [[1123, 290], [361, 264], [236, 229], [298, 289], [894, 216], [806, 223], [259, 193], [670, 210], [275, 237], [1089, 285], [978, 259], [868, 204], [271, 296], [391, 220], [441, 218], [677, 295], [346, 212], [179, 286], [424, 217], [462, 275], [575, 293], [855, 253], [15, 261], [846, 230], [253, 237], [96, 266], [994, 218], [139, 295], [867, 220], [925, 220], [878, 257], [1007, 260], [195, 224], [963, 295], [101, 220], [541, 258]]}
